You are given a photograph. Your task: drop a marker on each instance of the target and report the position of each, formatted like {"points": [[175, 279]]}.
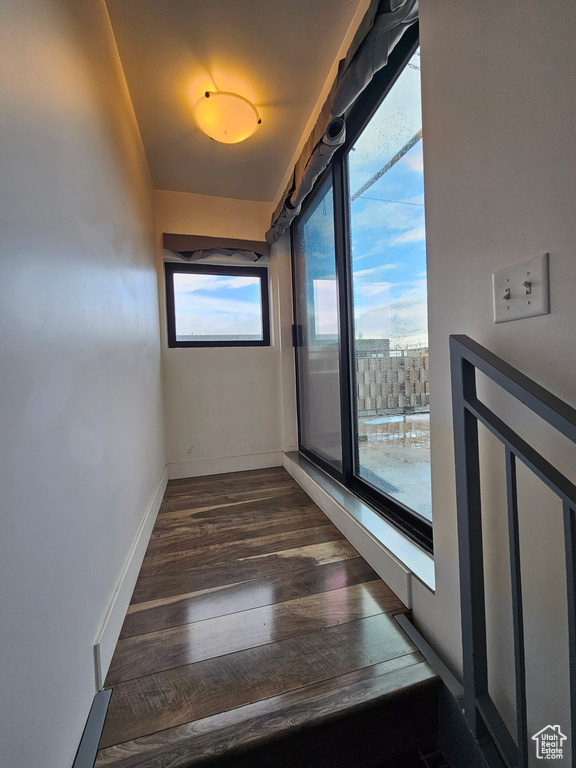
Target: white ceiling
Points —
{"points": [[277, 53]]}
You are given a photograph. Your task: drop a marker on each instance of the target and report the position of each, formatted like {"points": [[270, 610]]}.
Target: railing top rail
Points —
{"points": [[546, 405]]}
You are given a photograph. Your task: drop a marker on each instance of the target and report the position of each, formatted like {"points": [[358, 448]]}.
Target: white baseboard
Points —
{"points": [[112, 624], [199, 467], [386, 565]]}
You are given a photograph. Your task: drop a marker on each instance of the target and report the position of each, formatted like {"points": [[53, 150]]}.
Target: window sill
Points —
{"points": [[394, 556]]}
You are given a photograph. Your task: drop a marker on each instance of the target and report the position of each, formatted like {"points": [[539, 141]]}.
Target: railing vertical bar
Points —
{"points": [[570, 544], [469, 511], [517, 609]]}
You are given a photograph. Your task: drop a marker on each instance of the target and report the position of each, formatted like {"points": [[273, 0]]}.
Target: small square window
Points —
{"points": [[216, 306]]}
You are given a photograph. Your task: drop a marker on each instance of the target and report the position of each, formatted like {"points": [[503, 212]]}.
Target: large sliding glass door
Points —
{"points": [[317, 329], [360, 308], [390, 333]]}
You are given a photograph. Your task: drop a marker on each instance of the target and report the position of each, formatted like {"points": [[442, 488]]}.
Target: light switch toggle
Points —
{"points": [[528, 285], [506, 296]]}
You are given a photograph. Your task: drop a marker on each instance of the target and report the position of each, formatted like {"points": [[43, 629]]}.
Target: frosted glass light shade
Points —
{"points": [[226, 117]]}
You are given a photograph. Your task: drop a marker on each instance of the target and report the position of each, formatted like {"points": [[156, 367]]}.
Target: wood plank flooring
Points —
{"points": [[253, 619]]}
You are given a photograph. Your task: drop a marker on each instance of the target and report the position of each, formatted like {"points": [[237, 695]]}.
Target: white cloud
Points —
{"points": [[372, 289], [414, 235], [409, 307], [377, 214], [190, 283], [213, 305], [414, 162], [412, 288], [376, 250], [241, 282], [402, 320], [374, 270], [389, 216], [204, 315]]}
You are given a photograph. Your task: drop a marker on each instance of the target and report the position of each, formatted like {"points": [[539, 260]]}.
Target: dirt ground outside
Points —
{"points": [[396, 449]]}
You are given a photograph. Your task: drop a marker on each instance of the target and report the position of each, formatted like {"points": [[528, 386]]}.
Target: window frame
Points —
{"points": [[417, 527], [171, 268]]}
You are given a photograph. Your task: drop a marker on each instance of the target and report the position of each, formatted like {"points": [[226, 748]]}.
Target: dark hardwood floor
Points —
{"points": [[255, 629]]}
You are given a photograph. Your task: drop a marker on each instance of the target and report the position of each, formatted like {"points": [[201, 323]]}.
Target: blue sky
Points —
{"points": [[389, 255], [387, 227], [217, 305]]}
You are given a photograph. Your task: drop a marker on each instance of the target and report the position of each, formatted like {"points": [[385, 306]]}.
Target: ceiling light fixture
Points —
{"points": [[226, 117]]}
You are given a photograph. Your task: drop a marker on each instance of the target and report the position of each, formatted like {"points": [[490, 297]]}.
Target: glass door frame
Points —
{"points": [[407, 520], [298, 335]]}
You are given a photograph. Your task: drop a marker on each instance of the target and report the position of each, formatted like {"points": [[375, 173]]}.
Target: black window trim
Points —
{"points": [[171, 268], [410, 522]]}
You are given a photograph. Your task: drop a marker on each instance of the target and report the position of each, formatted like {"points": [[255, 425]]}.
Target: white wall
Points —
{"points": [[499, 99], [81, 430], [223, 406]]}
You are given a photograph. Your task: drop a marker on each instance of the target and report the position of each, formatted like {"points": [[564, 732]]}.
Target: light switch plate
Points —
{"points": [[526, 284]]}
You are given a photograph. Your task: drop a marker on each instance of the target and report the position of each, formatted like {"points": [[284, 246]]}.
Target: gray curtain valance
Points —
{"points": [[391, 21], [195, 247], [382, 27]]}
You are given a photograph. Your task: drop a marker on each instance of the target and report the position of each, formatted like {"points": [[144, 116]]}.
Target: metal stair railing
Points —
{"points": [[467, 356]]}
